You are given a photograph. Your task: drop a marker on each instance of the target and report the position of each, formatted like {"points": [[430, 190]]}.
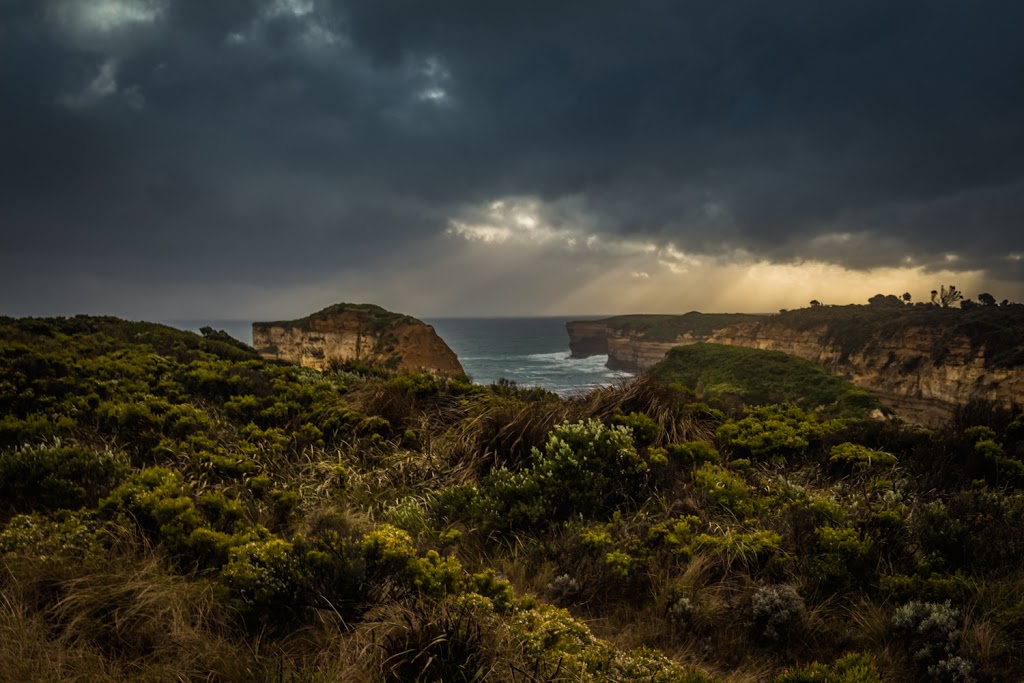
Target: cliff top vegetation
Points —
{"points": [[375, 318], [998, 330], [666, 328], [744, 376], [174, 508]]}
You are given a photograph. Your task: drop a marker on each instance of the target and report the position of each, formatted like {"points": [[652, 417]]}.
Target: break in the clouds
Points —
{"points": [[266, 157]]}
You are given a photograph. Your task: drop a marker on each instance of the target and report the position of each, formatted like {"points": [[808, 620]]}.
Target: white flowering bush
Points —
{"points": [[776, 611], [933, 631], [586, 468]]}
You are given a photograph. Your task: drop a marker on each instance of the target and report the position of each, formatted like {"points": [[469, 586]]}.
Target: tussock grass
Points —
{"points": [[127, 618], [432, 642], [669, 409]]}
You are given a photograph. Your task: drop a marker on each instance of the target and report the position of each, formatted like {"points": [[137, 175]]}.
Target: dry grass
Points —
{"points": [[669, 410], [421, 641], [127, 619]]}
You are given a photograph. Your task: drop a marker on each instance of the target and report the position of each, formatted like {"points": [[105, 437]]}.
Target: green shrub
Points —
{"points": [[136, 423], [852, 457], [33, 428], [725, 489], [693, 454], [1008, 470], [853, 668], [561, 648], [645, 430], [63, 535], [586, 468], [160, 502], [391, 557], [498, 591], [749, 550], [263, 579], [620, 563], [158, 499], [901, 588], [774, 431], [55, 477], [416, 384], [408, 515], [674, 535], [243, 409], [844, 557], [332, 567]]}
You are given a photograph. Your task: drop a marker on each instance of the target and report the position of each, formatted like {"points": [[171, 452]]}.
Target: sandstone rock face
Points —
{"points": [[357, 332], [901, 370], [587, 338], [636, 342], [922, 362], [632, 352]]}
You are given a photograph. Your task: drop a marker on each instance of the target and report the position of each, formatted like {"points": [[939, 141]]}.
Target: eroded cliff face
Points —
{"points": [[587, 338], [633, 352], [636, 342], [363, 333], [904, 370]]}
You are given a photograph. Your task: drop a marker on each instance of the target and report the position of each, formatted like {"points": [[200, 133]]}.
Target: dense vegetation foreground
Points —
{"points": [[175, 508]]}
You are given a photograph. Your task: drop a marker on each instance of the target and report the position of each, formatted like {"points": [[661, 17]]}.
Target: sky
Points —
{"points": [[262, 159]]}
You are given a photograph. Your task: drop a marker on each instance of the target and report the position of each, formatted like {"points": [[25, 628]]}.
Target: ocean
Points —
{"points": [[532, 352]]}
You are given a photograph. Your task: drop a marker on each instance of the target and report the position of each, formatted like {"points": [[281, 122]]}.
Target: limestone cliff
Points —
{"points": [[634, 351], [636, 342], [587, 338], [357, 332], [921, 361]]}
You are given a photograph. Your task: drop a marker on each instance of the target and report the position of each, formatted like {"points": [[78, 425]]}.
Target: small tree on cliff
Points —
{"points": [[815, 303], [986, 299], [946, 297], [907, 297]]}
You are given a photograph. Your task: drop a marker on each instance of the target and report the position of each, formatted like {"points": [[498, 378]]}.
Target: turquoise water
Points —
{"points": [[532, 352]]}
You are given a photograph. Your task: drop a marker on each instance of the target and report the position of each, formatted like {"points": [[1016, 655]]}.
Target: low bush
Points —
{"points": [[776, 612], [853, 668], [41, 478], [774, 431], [931, 634]]}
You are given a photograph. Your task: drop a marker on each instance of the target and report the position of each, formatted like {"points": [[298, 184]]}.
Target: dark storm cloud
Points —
{"points": [[233, 141], [794, 118]]}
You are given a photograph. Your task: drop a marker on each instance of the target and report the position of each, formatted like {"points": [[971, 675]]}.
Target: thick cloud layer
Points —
{"points": [[206, 156]]}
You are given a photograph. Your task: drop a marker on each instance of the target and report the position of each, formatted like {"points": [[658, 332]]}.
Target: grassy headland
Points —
{"points": [[375, 318], [755, 377], [666, 328]]}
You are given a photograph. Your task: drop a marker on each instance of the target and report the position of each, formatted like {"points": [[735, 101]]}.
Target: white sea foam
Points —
{"points": [[530, 352], [557, 356]]}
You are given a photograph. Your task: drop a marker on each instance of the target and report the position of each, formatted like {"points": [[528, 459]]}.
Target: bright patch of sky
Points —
{"points": [[522, 221], [102, 16], [435, 80], [317, 33]]}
